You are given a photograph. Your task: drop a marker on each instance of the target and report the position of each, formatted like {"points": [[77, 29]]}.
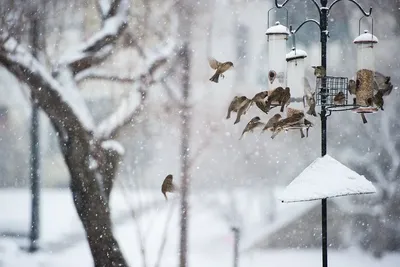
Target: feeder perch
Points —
{"points": [[277, 36], [334, 85], [295, 74], [365, 72]]}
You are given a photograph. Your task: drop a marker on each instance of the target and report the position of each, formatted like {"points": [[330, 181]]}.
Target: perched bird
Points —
{"points": [[168, 186], [378, 100], [352, 87], [285, 98], [260, 102], [235, 105], [275, 96], [309, 98], [219, 68], [253, 123], [270, 123], [319, 71], [339, 98], [296, 118], [244, 106], [382, 83]]}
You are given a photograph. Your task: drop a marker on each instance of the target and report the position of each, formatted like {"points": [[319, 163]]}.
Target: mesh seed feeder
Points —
{"points": [[365, 72], [277, 36]]}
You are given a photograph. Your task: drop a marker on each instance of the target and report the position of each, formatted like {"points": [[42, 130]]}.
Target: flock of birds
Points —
{"points": [[280, 97]]}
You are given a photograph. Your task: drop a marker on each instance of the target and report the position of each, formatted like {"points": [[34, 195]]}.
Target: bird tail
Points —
{"points": [[228, 116], [215, 77], [364, 119], [302, 133], [311, 111], [282, 107], [165, 195], [240, 138]]}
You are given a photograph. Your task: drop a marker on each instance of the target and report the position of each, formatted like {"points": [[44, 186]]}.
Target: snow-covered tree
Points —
{"points": [[90, 150]]}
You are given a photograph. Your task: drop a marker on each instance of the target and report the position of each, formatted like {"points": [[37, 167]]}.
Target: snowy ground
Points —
{"points": [[210, 238]]}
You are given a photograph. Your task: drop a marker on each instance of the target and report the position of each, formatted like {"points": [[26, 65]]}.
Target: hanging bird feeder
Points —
{"points": [[277, 36], [365, 72], [295, 76]]}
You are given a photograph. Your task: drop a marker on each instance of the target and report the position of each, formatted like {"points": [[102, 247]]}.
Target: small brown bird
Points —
{"points": [[270, 123], [219, 68], [260, 102], [339, 98], [311, 103], [244, 106], [382, 83], [168, 186], [235, 105], [319, 71], [253, 124], [296, 118], [378, 100], [285, 99], [275, 95], [352, 87]]}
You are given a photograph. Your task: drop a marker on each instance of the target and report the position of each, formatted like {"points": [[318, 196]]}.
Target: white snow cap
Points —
{"points": [[277, 29], [295, 54], [366, 37], [326, 178]]}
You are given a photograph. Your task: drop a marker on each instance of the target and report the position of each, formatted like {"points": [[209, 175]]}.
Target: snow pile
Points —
{"points": [[325, 178]]}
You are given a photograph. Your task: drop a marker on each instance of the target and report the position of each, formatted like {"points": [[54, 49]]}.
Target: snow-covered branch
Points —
{"points": [[101, 45], [63, 105], [131, 107]]}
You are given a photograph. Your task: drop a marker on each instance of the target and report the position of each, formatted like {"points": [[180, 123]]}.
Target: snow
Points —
{"points": [[113, 145], [325, 178], [295, 54], [69, 95], [208, 246], [277, 29], [366, 38]]}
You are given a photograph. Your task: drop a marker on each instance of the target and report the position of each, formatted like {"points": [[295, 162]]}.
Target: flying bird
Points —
{"points": [[219, 68], [235, 105], [319, 71], [339, 98], [270, 123], [168, 186], [382, 83], [260, 102], [253, 124]]}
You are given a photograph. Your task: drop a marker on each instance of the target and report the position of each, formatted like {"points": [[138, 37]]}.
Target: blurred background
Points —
{"points": [[233, 183]]}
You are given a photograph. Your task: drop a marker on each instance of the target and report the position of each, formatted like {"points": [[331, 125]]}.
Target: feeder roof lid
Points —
{"points": [[295, 54], [326, 178], [277, 29], [366, 37]]}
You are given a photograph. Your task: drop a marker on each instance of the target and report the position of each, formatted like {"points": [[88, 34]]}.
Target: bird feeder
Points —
{"points": [[365, 72], [277, 36], [295, 76]]}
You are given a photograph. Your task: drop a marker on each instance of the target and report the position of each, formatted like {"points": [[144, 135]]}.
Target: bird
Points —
{"points": [[309, 98], [260, 102], [378, 100], [364, 119], [352, 87], [244, 106], [285, 98], [319, 71], [235, 105], [339, 98], [219, 68], [275, 95], [296, 118], [308, 124], [270, 123], [253, 123], [168, 186], [382, 83]]}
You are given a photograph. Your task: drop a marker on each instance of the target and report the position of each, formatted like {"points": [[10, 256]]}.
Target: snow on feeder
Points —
{"points": [[365, 72], [277, 36]]}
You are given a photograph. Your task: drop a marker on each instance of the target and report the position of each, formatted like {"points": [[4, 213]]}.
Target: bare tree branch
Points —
{"points": [[100, 46]]}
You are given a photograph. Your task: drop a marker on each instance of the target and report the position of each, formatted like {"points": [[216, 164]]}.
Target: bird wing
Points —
{"points": [[224, 67], [213, 63], [262, 106]]}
